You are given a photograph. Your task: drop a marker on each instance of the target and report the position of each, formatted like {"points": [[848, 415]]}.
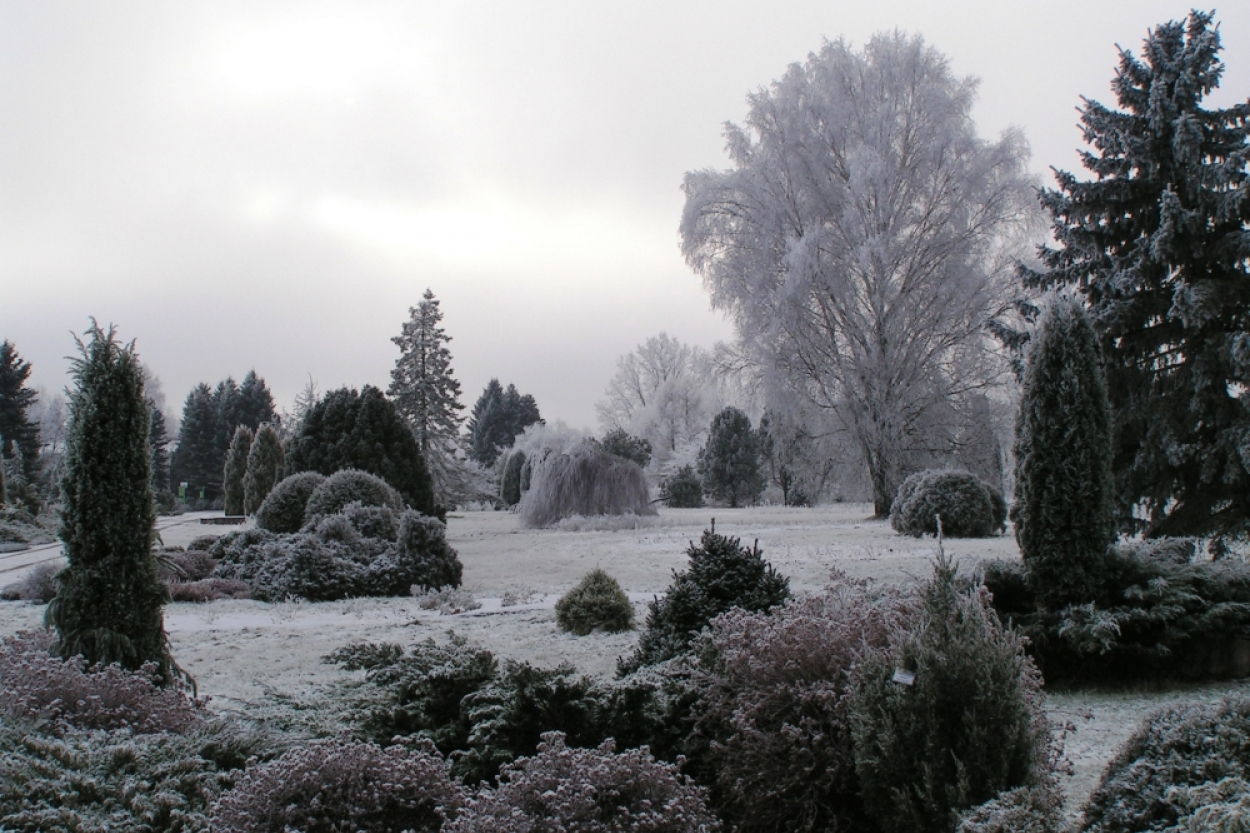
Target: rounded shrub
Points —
{"points": [[590, 791], [968, 507], [421, 557], [350, 486], [333, 785], [597, 602], [682, 489], [283, 508]]}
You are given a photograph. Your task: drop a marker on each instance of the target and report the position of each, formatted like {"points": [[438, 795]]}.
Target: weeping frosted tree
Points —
{"points": [[586, 481], [1064, 508], [236, 470], [859, 240], [1157, 243], [109, 602]]}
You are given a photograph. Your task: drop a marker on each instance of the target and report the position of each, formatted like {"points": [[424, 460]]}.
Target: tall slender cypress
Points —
{"points": [[264, 467], [109, 602], [236, 469], [1064, 511]]}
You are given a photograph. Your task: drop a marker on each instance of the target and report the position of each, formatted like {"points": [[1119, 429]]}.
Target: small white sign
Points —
{"points": [[904, 677]]}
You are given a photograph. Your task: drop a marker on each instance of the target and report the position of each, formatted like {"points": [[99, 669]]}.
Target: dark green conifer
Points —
{"points": [[730, 462], [236, 469], [264, 466], [109, 602], [1064, 510], [510, 483]]}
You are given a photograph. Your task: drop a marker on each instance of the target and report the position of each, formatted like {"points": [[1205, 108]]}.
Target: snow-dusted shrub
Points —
{"points": [[776, 699], [969, 508], [350, 486], [722, 575], [209, 590], [596, 603], [65, 694], [951, 709], [682, 489], [589, 791], [446, 600], [1022, 810], [586, 480], [422, 555], [333, 785], [184, 565], [37, 586], [202, 543], [1171, 767], [283, 508]]}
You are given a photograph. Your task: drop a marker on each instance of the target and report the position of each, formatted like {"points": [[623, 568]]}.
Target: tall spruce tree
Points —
{"points": [[19, 435], [499, 416], [426, 393], [195, 461], [109, 602], [1157, 243], [236, 469], [730, 463], [158, 447], [264, 465], [1064, 506]]}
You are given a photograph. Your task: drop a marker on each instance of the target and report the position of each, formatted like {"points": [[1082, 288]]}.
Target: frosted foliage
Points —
{"points": [[584, 481], [544, 439], [664, 392], [863, 238]]}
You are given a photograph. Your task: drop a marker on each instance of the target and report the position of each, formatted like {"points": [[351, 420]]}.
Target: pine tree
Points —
{"points": [[264, 466], [426, 393], [18, 434], [1157, 244], [1064, 509], [109, 602], [730, 461], [236, 469]]}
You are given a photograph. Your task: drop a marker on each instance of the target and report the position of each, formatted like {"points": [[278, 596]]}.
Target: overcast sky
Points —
{"points": [[271, 186]]}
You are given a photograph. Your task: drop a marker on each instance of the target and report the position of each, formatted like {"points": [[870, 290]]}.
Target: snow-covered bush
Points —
{"points": [[37, 586], [422, 557], [448, 601], [347, 785], [283, 508], [209, 590], [722, 575], [596, 603], [350, 486], [66, 694], [590, 791], [682, 489], [586, 480], [1022, 810], [969, 508]]}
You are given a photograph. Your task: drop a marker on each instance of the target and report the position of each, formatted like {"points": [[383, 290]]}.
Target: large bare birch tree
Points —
{"points": [[862, 239]]}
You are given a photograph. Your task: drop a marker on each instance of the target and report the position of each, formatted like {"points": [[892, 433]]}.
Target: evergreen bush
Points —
{"points": [[283, 508], [589, 791], [682, 489], [1022, 810], [236, 470], [948, 717], [620, 442], [110, 600], [1064, 511], [722, 574], [969, 507], [422, 558], [347, 785], [264, 463], [596, 603], [349, 486], [1174, 772], [510, 483], [585, 481]]}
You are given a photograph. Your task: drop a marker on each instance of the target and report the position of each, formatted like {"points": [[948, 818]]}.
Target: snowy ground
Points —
{"points": [[249, 655]]}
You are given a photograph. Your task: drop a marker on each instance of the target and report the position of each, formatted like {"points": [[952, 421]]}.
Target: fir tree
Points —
{"points": [[1156, 241], [236, 469], [425, 392], [499, 416], [109, 602], [18, 434], [158, 448], [1064, 510], [254, 406], [729, 463], [195, 461], [264, 466]]}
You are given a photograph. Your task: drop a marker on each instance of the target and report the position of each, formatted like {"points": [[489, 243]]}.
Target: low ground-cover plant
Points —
{"points": [[331, 785], [968, 507], [1184, 769], [590, 791], [722, 575], [596, 603]]}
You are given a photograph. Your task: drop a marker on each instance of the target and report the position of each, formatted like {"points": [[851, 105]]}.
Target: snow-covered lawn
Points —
{"points": [[251, 656]]}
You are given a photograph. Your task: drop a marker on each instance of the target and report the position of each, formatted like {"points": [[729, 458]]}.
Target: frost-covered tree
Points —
{"points": [[110, 599], [1157, 242], [426, 393], [730, 463], [265, 462], [1063, 510], [859, 238], [499, 417], [663, 392], [18, 433], [236, 470]]}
